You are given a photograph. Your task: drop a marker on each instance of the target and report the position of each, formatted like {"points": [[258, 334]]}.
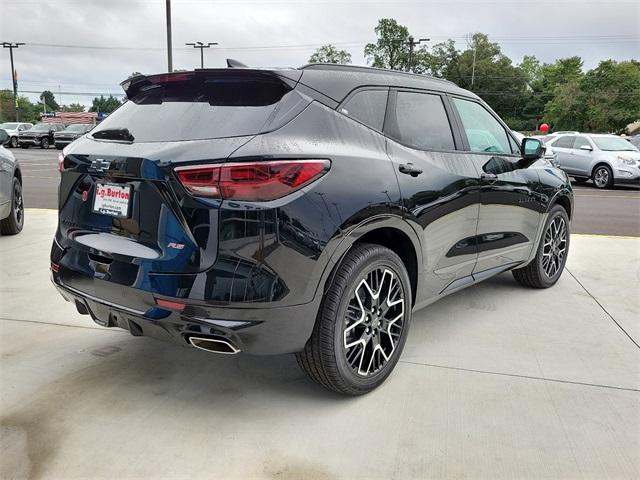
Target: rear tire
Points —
{"points": [[602, 177], [547, 266], [15, 221], [362, 324]]}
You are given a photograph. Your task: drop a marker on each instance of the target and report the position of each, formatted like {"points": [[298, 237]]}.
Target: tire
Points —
{"points": [[15, 221], [602, 177], [539, 273], [44, 143], [13, 142], [356, 368]]}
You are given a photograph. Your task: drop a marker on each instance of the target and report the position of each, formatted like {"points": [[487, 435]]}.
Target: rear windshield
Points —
{"points": [[210, 109]]}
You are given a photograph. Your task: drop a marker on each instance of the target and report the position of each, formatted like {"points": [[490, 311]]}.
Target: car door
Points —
{"points": [[562, 147], [579, 159], [509, 214], [438, 184]]}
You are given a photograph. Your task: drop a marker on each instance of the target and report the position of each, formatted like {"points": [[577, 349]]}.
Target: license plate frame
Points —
{"points": [[112, 199]]}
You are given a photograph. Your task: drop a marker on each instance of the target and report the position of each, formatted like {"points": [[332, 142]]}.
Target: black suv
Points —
{"points": [[41, 135], [72, 132], [304, 211]]}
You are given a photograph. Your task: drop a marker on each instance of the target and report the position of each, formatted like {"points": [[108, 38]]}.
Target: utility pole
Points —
{"points": [[412, 44], [14, 77], [201, 46], [473, 67], [169, 48]]}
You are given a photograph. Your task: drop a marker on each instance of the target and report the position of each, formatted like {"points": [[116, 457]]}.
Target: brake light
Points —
{"points": [[179, 306], [251, 181], [60, 163]]}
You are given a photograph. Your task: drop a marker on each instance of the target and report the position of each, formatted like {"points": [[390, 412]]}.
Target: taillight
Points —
{"points": [[251, 181], [60, 162]]}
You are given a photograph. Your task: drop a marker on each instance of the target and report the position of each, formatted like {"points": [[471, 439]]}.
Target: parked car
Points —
{"points": [[11, 204], [71, 133], [304, 211], [41, 135], [14, 129], [605, 159]]}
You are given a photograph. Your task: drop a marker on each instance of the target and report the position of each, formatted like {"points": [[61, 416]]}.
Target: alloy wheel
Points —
{"points": [[374, 321], [18, 205], [14, 142], [555, 247], [601, 177]]}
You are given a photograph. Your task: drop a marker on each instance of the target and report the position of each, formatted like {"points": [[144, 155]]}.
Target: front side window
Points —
{"points": [[484, 132], [422, 122], [579, 142], [565, 141], [368, 107]]}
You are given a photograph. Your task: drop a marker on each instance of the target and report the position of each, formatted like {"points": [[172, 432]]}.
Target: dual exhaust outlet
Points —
{"points": [[213, 344]]}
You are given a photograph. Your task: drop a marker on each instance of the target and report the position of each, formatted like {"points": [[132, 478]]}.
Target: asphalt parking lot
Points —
{"points": [[610, 212], [497, 381]]}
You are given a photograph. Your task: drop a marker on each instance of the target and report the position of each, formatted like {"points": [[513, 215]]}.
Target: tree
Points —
{"points": [[391, 50], [105, 104], [441, 62], [49, 100], [73, 107], [330, 54], [532, 69]]}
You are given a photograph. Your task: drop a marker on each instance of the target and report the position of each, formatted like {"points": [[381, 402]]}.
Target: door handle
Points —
{"points": [[489, 177], [409, 169]]}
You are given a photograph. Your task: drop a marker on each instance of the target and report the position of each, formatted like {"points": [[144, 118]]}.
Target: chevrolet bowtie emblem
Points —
{"points": [[100, 165]]}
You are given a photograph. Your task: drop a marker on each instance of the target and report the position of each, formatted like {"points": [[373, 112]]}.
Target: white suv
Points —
{"points": [[14, 129]]}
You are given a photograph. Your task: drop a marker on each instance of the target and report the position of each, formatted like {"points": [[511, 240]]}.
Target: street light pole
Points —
{"points": [[201, 46], [169, 47], [413, 44], [14, 78]]}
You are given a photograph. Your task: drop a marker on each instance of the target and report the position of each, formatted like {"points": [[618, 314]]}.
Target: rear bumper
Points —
{"points": [[258, 331]]}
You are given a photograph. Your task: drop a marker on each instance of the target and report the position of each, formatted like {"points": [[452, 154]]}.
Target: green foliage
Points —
{"points": [[330, 54], [72, 107], [105, 104], [49, 100], [391, 50]]}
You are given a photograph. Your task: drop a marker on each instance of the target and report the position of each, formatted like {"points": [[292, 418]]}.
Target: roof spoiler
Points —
{"points": [[134, 85]]}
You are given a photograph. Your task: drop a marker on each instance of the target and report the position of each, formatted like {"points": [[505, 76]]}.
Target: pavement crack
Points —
{"points": [[602, 307], [515, 375]]}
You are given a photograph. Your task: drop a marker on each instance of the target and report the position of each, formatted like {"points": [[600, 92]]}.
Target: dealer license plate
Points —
{"points": [[111, 199]]}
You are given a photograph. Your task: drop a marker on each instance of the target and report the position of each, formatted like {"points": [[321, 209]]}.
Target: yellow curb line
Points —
{"points": [[33, 209]]}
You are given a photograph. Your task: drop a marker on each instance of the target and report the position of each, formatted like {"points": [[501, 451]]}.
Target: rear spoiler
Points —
{"points": [[134, 85]]}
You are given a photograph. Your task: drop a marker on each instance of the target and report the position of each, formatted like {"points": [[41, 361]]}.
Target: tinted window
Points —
{"points": [[564, 142], [484, 132], [368, 107], [580, 141], [209, 109], [422, 122]]}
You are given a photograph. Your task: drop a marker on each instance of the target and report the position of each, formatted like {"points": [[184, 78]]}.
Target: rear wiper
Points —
{"points": [[119, 134]]}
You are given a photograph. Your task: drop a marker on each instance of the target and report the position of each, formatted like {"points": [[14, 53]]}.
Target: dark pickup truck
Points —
{"points": [[69, 134], [41, 135]]}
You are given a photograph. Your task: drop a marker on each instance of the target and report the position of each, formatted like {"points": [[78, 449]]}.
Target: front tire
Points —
{"points": [[13, 142], [14, 222], [547, 266], [44, 143], [362, 324], [603, 177]]}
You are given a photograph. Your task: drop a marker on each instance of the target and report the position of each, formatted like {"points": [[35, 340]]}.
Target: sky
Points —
{"points": [[90, 46]]}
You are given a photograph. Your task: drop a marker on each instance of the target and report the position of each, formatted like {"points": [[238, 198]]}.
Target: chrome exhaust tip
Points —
{"points": [[215, 345]]}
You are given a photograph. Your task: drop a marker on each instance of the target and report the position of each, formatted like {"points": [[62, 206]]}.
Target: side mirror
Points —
{"points": [[4, 136], [532, 149], [589, 148]]}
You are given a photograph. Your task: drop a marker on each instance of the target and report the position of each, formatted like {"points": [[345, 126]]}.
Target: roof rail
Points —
{"points": [[361, 68]]}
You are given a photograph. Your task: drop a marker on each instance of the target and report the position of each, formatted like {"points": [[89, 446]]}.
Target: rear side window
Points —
{"points": [[484, 132], [208, 109], [368, 107], [580, 141], [422, 122], [564, 142]]}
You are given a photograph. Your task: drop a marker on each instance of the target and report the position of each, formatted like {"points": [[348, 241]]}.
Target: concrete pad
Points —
{"points": [[496, 381]]}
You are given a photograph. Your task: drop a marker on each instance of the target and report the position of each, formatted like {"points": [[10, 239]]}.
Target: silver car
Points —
{"points": [[14, 129], [606, 159], [549, 154], [11, 204]]}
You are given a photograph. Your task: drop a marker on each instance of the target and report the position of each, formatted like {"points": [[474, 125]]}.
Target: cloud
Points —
{"points": [[284, 33]]}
